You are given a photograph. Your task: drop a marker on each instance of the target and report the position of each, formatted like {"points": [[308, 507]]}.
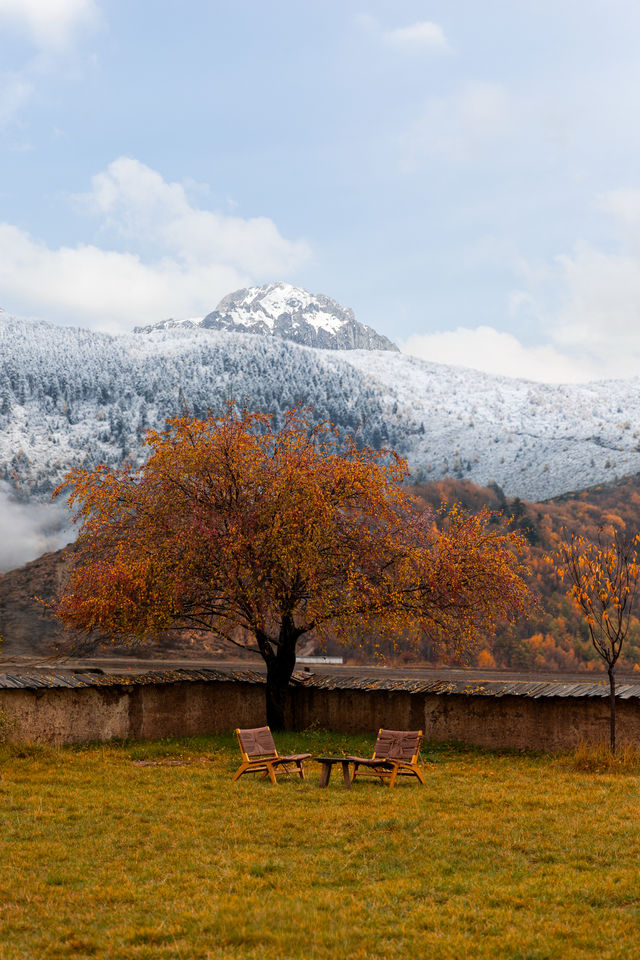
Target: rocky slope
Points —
{"points": [[28, 628]]}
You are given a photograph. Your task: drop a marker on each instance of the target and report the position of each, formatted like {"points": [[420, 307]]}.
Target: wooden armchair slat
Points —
{"points": [[395, 755], [259, 755]]}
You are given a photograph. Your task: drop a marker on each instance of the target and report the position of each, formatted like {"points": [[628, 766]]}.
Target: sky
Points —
{"points": [[464, 175]]}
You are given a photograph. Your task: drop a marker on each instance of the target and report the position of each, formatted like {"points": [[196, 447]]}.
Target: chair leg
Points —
{"points": [[272, 773], [418, 774], [394, 774], [300, 769], [355, 772], [241, 769], [381, 775]]}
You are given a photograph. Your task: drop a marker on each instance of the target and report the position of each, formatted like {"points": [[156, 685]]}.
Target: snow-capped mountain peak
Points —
{"points": [[291, 313], [266, 305]]}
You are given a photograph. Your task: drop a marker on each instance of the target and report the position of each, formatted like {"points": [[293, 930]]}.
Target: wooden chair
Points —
{"points": [[395, 755], [259, 755]]}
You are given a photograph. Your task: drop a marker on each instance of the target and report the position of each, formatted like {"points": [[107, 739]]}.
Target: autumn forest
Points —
{"points": [[553, 636]]}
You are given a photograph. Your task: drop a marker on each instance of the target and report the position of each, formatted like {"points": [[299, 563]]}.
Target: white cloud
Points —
{"points": [[48, 23], [178, 260], [425, 35], [422, 37], [135, 203], [623, 205], [29, 530], [586, 303], [496, 352], [600, 311]]}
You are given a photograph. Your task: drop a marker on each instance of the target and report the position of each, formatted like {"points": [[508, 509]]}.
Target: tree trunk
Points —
{"points": [[279, 671], [612, 707], [280, 666]]}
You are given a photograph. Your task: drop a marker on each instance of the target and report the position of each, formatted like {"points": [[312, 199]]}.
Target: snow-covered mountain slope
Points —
{"points": [[70, 396], [282, 310], [535, 440]]}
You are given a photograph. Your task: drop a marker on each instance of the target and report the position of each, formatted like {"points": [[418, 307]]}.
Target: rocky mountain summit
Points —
{"points": [[291, 313]]}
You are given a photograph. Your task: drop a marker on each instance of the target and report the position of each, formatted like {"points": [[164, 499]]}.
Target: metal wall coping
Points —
{"points": [[62, 679]]}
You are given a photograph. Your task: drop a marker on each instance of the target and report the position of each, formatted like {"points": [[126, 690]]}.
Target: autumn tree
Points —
{"points": [[602, 579], [260, 536]]}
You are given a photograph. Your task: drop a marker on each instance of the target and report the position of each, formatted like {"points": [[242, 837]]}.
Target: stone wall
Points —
{"points": [[156, 710]]}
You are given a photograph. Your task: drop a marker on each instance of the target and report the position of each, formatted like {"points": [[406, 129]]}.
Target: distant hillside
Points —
{"points": [[536, 440], [29, 629], [554, 636]]}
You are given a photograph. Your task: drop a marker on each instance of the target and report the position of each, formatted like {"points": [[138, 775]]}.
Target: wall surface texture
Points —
{"points": [[515, 722], [136, 712], [156, 710]]}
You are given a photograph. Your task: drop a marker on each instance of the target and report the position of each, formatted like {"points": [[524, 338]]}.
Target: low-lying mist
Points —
{"points": [[28, 530]]}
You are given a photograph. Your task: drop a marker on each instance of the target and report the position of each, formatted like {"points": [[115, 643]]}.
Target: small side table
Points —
{"points": [[325, 773]]}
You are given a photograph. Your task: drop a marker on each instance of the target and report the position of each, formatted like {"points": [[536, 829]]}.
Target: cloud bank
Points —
{"points": [[496, 352], [585, 305]]}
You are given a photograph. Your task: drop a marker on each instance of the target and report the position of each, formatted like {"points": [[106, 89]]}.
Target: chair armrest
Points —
{"points": [[369, 762]]}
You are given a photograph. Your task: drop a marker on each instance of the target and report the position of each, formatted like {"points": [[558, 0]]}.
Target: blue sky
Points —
{"points": [[464, 175]]}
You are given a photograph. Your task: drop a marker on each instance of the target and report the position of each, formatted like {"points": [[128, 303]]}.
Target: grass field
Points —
{"points": [[501, 856]]}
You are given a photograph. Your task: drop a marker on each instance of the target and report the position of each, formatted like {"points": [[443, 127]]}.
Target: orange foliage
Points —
{"points": [[261, 537], [485, 660]]}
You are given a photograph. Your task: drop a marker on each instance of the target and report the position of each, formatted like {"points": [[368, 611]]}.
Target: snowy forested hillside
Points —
{"points": [[535, 440], [70, 396]]}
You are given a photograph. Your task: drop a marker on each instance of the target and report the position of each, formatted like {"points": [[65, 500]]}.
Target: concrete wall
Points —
{"points": [[153, 711]]}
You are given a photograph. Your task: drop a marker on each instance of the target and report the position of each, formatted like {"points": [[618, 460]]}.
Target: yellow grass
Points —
{"points": [[500, 856]]}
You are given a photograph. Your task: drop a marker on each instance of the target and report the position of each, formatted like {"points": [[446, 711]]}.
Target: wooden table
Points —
{"points": [[325, 773]]}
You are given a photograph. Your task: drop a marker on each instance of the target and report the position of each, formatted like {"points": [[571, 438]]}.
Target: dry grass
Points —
{"points": [[500, 856], [598, 758]]}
